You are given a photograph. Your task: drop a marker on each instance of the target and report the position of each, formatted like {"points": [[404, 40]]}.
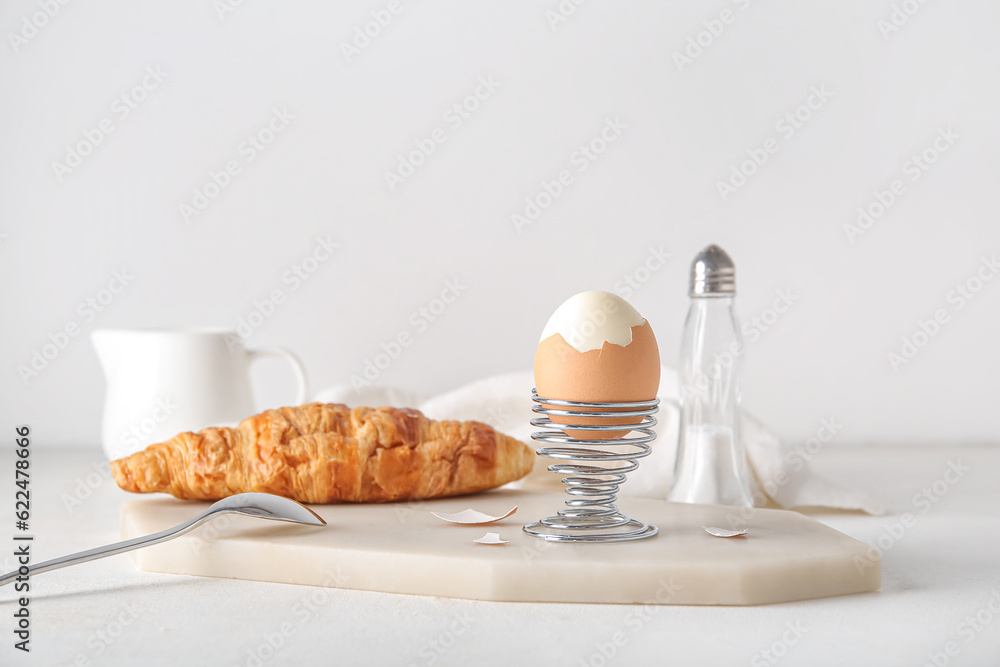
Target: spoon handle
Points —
{"points": [[101, 552]]}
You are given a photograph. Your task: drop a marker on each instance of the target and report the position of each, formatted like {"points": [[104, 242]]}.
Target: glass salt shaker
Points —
{"points": [[711, 464]]}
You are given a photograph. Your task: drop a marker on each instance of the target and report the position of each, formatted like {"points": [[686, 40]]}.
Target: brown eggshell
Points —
{"points": [[612, 373]]}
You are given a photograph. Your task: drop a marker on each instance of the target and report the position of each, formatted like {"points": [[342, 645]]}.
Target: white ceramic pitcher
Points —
{"points": [[161, 382]]}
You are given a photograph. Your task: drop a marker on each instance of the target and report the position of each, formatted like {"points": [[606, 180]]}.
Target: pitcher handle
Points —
{"points": [[289, 356]]}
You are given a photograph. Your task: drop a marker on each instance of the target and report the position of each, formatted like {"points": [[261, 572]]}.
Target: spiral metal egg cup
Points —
{"points": [[591, 514]]}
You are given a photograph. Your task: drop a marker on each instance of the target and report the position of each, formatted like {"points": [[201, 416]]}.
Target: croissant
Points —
{"points": [[329, 453]]}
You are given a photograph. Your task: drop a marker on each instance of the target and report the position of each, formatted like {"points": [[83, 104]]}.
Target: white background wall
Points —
{"points": [[655, 186]]}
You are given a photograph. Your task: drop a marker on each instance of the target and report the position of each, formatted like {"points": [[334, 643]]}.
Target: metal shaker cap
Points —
{"points": [[712, 273]]}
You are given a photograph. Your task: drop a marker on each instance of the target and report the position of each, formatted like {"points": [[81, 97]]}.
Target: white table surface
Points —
{"points": [[941, 572]]}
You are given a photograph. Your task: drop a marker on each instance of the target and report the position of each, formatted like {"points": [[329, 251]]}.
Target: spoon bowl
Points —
{"points": [[265, 506]]}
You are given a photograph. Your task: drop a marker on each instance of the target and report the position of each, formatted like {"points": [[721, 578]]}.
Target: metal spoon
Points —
{"points": [[261, 505]]}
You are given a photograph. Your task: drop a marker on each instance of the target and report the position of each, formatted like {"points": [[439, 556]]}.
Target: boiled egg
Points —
{"points": [[597, 348]]}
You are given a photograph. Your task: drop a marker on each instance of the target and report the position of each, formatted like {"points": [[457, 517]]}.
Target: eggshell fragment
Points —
{"points": [[722, 532], [471, 516]]}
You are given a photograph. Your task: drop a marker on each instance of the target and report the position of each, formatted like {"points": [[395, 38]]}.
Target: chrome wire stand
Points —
{"points": [[591, 514]]}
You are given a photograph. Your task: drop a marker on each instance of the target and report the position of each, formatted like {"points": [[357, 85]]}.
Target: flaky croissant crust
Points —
{"points": [[329, 453]]}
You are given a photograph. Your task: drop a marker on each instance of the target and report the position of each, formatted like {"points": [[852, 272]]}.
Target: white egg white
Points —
{"points": [[589, 319]]}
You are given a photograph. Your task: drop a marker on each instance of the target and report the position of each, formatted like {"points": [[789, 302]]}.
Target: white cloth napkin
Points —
{"points": [[781, 471]]}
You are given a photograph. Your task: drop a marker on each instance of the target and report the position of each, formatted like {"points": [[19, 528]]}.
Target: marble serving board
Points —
{"points": [[403, 548]]}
